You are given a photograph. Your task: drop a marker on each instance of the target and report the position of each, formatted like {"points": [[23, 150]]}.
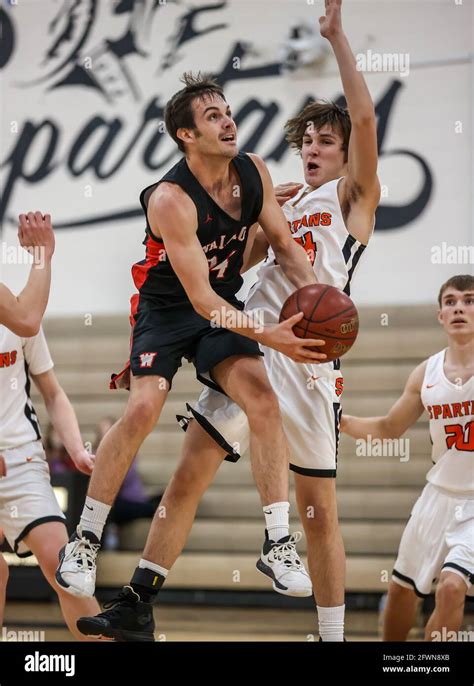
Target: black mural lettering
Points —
{"points": [[111, 130], [230, 73], [7, 34], [186, 31], [269, 113], [16, 162], [399, 216]]}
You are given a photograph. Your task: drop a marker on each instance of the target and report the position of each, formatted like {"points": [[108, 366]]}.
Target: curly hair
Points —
{"points": [[319, 113]]}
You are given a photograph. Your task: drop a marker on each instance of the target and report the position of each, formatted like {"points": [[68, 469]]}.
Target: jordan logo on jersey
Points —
{"points": [[146, 360], [8, 359]]}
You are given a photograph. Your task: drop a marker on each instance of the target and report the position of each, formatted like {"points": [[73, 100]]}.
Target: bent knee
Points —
{"points": [[451, 590], [140, 416]]}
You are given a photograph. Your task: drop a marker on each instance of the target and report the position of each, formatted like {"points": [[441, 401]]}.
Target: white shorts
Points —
{"points": [[439, 536], [26, 496], [309, 397]]}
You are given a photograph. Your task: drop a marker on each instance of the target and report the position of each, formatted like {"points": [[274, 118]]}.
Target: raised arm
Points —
{"points": [[361, 183], [22, 314], [400, 417]]}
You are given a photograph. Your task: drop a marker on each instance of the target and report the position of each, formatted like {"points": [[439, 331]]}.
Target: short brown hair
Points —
{"points": [[319, 113], [461, 282], [178, 110]]}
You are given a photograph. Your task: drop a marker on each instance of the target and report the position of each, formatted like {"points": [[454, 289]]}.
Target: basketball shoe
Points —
{"points": [[125, 618], [280, 561], [77, 564]]}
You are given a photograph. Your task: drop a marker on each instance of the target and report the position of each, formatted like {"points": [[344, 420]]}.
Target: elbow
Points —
{"points": [[27, 328], [364, 120]]}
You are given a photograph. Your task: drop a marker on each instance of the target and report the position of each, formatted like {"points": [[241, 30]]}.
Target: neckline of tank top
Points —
{"points": [[443, 373], [305, 192], [236, 221]]}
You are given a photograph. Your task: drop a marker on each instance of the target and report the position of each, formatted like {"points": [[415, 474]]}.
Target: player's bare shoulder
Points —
{"points": [[415, 380], [170, 204]]}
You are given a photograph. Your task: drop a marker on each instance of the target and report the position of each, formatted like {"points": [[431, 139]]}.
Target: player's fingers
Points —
{"points": [[22, 220], [47, 220], [38, 217], [309, 342], [291, 321]]}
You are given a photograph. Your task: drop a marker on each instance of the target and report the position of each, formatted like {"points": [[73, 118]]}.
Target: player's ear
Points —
{"points": [[440, 316], [184, 135]]}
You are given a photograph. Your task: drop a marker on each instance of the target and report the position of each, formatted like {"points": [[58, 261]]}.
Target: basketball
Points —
{"points": [[329, 314]]}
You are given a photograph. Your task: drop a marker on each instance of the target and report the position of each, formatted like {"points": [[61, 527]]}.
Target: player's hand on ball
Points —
{"points": [[282, 338], [34, 232], [3, 467], [286, 191], [84, 461], [330, 25]]}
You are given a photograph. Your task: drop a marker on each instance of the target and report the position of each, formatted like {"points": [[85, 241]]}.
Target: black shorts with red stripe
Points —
{"points": [[162, 338]]}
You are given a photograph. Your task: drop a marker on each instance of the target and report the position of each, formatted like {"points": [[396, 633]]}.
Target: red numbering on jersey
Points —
{"points": [[222, 267], [460, 437], [307, 242], [339, 385]]}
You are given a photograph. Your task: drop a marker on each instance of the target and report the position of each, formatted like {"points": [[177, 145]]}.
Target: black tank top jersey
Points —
{"points": [[223, 238]]}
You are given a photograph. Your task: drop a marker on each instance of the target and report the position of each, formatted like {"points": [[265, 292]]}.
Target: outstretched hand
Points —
{"points": [[331, 24]]}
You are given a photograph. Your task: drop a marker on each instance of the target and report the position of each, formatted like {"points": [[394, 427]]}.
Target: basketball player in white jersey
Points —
{"points": [[23, 313], [332, 217], [438, 541], [30, 518]]}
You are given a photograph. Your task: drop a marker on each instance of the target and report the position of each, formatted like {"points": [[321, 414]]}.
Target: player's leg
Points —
{"points": [[114, 457], [201, 457], [449, 609], [316, 499], [45, 541], [400, 612], [245, 380], [131, 617], [3, 584]]}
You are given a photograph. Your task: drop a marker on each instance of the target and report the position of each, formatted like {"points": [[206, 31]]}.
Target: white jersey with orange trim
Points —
{"points": [[450, 407], [19, 357], [316, 222]]}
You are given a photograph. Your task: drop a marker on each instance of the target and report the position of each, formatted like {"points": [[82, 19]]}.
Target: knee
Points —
{"points": [[320, 521], [262, 408], [184, 484], [140, 417], [397, 592], [451, 591]]}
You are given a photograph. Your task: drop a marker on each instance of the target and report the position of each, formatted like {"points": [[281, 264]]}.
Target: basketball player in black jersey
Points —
{"points": [[198, 218]]}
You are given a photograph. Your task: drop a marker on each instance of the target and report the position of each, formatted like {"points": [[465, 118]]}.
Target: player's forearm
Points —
{"points": [[295, 264], [33, 298], [221, 314], [359, 101], [363, 427], [64, 420]]}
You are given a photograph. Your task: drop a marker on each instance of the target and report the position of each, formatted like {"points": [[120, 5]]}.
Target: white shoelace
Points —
{"points": [[84, 552], [286, 552]]}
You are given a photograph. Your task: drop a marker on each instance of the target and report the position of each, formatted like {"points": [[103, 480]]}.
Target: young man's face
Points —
{"points": [[215, 132], [457, 313], [323, 156]]}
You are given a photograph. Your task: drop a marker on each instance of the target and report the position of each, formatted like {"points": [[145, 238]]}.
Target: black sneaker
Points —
{"points": [[126, 618]]}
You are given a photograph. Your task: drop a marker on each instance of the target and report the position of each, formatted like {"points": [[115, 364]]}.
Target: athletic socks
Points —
{"points": [[94, 515], [147, 580], [277, 520], [331, 623]]}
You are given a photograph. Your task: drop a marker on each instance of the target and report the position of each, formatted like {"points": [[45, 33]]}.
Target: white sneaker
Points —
{"points": [[279, 560], [77, 564]]}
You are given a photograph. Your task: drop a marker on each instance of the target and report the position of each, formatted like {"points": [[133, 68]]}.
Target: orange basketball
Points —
{"points": [[329, 314]]}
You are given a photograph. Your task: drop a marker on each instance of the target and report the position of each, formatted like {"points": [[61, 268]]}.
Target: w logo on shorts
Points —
{"points": [[146, 360]]}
